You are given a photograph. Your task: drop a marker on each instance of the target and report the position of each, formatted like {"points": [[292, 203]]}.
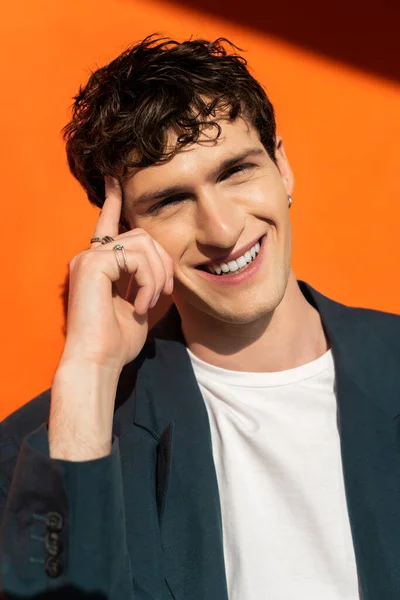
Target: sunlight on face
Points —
{"points": [[210, 200]]}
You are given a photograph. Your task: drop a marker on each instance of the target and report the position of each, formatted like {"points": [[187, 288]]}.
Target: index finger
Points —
{"points": [[108, 221]]}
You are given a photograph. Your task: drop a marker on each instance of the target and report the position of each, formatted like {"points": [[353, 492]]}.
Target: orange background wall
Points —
{"points": [[340, 123]]}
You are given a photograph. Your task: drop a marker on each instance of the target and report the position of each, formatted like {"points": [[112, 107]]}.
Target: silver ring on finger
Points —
{"points": [[107, 239], [95, 240], [116, 248]]}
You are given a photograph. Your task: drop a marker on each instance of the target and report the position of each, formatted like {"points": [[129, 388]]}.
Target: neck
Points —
{"points": [[290, 336]]}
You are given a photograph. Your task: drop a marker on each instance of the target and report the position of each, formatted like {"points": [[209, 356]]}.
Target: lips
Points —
{"points": [[239, 277], [228, 257]]}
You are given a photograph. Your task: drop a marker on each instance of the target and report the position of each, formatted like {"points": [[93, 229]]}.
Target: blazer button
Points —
{"points": [[53, 543], [53, 567], [54, 521]]}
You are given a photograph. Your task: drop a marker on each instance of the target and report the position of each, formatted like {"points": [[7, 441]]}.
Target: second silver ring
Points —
{"points": [[116, 248]]}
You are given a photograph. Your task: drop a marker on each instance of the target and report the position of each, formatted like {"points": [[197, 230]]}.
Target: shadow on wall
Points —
{"points": [[155, 313], [363, 34]]}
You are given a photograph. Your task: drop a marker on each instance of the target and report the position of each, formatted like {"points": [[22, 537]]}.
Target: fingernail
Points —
{"points": [[171, 284]]}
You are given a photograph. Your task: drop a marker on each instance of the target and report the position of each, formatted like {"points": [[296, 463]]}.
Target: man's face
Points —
{"points": [[214, 211]]}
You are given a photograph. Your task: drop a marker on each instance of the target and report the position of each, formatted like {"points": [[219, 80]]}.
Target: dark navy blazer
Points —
{"points": [[144, 523]]}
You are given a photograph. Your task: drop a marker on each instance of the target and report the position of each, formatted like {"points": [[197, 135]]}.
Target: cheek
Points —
{"points": [[169, 234], [269, 183], [152, 226], [266, 198]]}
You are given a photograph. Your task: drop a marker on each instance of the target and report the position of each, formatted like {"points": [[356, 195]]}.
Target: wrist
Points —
{"points": [[82, 411]]}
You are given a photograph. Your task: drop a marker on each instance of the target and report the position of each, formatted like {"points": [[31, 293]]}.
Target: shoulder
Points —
{"points": [[384, 324], [373, 335], [25, 419], [355, 321], [13, 430]]}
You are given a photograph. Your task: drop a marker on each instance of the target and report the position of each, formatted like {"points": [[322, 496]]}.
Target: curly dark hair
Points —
{"points": [[122, 116]]}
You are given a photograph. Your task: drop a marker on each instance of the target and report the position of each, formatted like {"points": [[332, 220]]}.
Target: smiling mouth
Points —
{"points": [[233, 267]]}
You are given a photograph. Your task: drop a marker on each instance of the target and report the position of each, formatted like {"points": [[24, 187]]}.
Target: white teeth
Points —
{"points": [[234, 265], [248, 256]]}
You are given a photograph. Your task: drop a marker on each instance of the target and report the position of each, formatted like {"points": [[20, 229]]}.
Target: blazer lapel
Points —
{"points": [[368, 396], [169, 404]]}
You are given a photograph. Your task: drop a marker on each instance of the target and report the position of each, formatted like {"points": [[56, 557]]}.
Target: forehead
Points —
{"points": [[230, 132], [194, 160]]}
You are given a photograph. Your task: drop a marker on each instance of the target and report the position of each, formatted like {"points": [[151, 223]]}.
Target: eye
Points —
{"points": [[238, 170], [169, 200]]}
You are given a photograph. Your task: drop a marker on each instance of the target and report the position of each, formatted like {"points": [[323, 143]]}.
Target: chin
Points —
{"points": [[241, 309], [241, 317]]}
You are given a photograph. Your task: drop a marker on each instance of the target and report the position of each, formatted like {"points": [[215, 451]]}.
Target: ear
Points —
{"points": [[283, 166]]}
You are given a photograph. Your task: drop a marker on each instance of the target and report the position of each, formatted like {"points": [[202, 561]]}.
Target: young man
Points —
{"points": [[248, 446]]}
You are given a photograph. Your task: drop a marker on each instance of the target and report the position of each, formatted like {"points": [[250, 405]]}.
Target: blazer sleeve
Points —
{"points": [[62, 524]]}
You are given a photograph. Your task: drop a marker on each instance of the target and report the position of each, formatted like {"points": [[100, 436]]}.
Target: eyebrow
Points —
{"points": [[180, 189]]}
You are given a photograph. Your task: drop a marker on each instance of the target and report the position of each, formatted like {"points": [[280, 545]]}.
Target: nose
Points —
{"points": [[220, 220]]}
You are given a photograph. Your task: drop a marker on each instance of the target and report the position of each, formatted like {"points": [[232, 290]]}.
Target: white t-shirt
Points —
{"points": [[276, 450]]}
